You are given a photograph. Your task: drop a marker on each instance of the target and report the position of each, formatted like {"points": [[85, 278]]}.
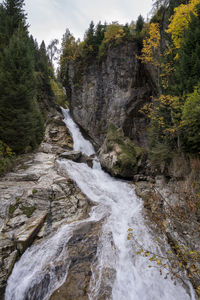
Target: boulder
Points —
{"points": [[119, 155], [25, 237], [71, 155], [78, 156]]}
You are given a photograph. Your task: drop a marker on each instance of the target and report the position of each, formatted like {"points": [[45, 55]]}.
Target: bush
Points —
{"points": [[160, 154], [58, 92], [6, 156]]}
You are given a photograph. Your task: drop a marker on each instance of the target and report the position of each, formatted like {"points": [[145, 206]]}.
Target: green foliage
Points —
{"points": [[127, 152], [174, 123], [191, 122], [187, 67], [44, 73], [139, 24], [98, 39], [113, 36], [21, 122], [58, 92], [160, 154], [25, 73], [6, 157]]}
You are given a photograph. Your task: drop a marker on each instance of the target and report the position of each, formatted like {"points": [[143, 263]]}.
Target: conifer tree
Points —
{"points": [[15, 16], [188, 63], [139, 24], [21, 124]]}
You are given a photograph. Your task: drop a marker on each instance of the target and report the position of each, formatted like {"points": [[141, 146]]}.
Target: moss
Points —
{"points": [[127, 153], [28, 210], [34, 191], [12, 209], [114, 136]]}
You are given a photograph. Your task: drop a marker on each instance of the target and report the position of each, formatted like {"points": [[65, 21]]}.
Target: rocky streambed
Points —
{"points": [[78, 228], [35, 199]]}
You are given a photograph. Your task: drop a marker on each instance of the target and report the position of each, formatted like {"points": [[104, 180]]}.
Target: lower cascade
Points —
{"points": [[118, 272]]}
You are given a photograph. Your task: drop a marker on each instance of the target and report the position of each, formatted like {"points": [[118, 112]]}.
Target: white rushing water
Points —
{"points": [[121, 209]]}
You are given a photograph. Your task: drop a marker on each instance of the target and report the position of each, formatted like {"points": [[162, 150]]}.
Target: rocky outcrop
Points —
{"points": [[78, 156], [82, 250], [175, 211], [119, 155], [35, 199], [112, 93]]}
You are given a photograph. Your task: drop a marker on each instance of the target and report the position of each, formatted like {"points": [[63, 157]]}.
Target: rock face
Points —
{"points": [[78, 156], [35, 200], [82, 249], [112, 93], [119, 155], [172, 207]]}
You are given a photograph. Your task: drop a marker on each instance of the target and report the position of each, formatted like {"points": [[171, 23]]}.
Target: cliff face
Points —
{"points": [[112, 93]]}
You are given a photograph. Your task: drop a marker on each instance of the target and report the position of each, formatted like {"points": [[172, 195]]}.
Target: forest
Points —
{"points": [[169, 43], [27, 83]]}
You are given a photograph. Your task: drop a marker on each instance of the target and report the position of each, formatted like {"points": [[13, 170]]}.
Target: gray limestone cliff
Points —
{"points": [[109, 94], [112, 92]]}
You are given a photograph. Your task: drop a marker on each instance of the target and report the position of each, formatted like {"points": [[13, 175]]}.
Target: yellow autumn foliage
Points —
{"points": [[180, 19], [151, 45], [114, 31]]}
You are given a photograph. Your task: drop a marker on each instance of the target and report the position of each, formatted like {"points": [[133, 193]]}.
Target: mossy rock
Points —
{"points": [[12, 209], [127, 153], [28, 210]]}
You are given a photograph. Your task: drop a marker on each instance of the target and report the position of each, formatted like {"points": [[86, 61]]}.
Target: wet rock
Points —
{"points": [[26, 235], [82, 249], [78, 156], [35, 199], [57, 134], [72, 155], [10, 261]]}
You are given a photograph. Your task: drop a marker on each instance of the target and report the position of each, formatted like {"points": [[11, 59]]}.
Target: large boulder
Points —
{"points": [[78, 156], [119, 155]]}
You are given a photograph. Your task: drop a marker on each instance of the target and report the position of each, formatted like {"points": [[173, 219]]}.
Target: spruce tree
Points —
{"points": [[21, 124], [187, 69], [15, 16]]}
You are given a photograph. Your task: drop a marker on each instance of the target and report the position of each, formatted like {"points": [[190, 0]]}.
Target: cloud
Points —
{"points": [[48, 19]]}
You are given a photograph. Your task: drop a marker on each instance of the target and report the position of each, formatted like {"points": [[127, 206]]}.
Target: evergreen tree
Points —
{"points": [[3, 28], [191, 122], [187, 69], [139, 24], [43, 72], [21, 124], [99, 36], [89, 45], [15, 16]]}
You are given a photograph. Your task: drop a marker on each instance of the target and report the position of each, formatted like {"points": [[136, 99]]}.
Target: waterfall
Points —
{"points": [[121, 210]]}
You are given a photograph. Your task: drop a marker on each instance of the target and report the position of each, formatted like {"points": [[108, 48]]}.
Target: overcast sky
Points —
{"points": [[48, 19]]}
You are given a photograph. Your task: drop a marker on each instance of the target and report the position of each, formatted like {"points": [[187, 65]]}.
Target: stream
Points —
{"points": [[35, 275]]}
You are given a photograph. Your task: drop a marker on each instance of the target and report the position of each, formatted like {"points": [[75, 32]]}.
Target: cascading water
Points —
{"points": [[121, 210]]}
